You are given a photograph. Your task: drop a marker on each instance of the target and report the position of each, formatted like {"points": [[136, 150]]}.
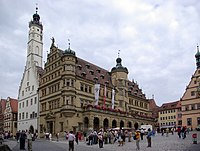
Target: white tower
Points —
{"points": [[28, 105]]}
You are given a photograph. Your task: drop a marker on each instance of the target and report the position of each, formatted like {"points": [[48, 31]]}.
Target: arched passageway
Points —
{"points": [[105, 124], [114, 124], [96, 123]]}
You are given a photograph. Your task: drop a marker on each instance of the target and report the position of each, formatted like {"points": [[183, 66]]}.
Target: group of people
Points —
{"points": [[139, 134], [22, 136], [182, 131], [110, 137]]}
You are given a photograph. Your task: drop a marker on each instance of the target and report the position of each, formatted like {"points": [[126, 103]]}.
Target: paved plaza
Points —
{"points": [[159, 143]]}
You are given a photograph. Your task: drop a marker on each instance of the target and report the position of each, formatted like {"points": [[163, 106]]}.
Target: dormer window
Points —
{"points": [[95, 78], [79, 67], [87, 65], [102, 76], [91, 72], [83, 74], [98, 70], [106, 82], [136, 91]]}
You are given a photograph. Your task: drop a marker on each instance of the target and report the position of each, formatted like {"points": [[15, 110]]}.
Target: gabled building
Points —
{"points": [[10, 116], [168, 113], [154, 109], [190, 101], [77, 95], [28, 107], [2, 108]]}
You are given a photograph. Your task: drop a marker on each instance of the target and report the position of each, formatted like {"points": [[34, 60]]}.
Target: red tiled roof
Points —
{"points": [[14, 105], [152, 104], [178, 104], [92, 72], [168, 106]]}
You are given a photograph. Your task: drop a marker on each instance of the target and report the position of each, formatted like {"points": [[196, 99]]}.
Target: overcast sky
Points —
{"points": [[157, 39]]}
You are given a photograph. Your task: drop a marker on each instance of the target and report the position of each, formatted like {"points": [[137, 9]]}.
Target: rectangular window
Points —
{"points": [[179, 115], [198, 106], [192, 107], [31, 101], [33, 114], [198, 120], [187, 108], [26, 114], [81, 87], [20, 105], [86, 88], [189, 121], [90, 89], [179, 122], [67, 82], [72, 83], [193, 93], [35, 100], [26, 102], [23, 115], [20, 116]]}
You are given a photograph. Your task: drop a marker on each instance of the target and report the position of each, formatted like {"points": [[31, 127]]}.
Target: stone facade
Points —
{"points": [[67, 96]]}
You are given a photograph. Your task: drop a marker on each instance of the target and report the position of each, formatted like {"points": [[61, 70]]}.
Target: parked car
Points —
{"points": [[198, 128]]}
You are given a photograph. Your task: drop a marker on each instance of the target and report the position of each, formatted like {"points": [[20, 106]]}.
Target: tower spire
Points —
{"points": [[118, 53], [69, 43], [197, 56], [36, 8]]}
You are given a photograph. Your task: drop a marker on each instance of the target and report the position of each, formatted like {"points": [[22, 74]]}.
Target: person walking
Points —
{"points": [[100, 137], [29, 143], [149, 134], [137, 139], [17, 136], [71, 138], [22, 140], [76, 138], [57, 136], [179, 132], [142, 133]]}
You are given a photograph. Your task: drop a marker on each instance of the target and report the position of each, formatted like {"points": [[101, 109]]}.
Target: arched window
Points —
{"points": [[37, 50]]}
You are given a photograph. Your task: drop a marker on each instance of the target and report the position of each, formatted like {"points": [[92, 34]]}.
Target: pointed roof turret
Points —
{"points": [[119, 67], [197, 56], [36, 18], [69, 51]]}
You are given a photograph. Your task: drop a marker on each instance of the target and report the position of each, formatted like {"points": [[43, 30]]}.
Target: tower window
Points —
{"points": [[192, 93]]}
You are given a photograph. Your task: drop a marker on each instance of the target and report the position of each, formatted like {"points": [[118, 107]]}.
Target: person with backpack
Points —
{"points": [[137, 139], [149, 134]]}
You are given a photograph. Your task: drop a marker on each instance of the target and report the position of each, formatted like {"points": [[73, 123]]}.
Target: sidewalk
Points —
{"points": [[11, 143]]}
